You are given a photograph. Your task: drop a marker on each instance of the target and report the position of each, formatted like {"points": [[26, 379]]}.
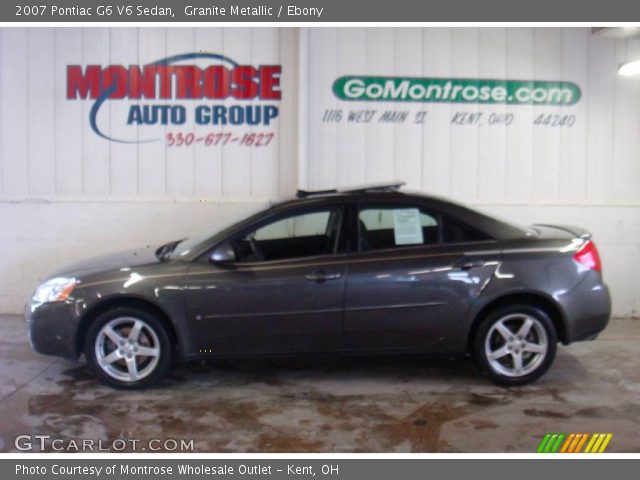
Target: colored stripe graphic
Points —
{"points": [[543, 443], [556, 445], [591, 442], [607, 439], [581, 443], [570, 439], [598, 443], [551, 442], [574, 442]]}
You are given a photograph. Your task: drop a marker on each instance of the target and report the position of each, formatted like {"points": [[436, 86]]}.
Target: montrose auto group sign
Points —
{"points": [[180, 92]]}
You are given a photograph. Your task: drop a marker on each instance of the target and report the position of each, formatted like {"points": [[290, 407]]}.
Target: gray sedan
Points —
{"points": [[363, 270]]}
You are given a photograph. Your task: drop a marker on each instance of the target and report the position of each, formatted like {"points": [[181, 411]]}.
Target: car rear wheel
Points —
{"points": [[515, 345], [128, 348]]}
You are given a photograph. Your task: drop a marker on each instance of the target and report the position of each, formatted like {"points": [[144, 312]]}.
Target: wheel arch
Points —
{"points": [[124, 301], [548, 305]]}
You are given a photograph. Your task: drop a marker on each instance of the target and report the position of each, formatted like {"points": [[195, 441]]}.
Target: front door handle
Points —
{"points": [[468, 263], [321, 276]]}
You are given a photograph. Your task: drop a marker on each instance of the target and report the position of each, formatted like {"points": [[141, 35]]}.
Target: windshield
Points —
{"points": [[184, 247]]}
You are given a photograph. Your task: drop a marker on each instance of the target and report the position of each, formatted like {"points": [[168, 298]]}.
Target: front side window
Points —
{"points": [[297, 236], [396, 226]]}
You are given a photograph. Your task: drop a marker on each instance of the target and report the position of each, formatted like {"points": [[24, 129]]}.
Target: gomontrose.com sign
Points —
{"points": [[456, 90]]}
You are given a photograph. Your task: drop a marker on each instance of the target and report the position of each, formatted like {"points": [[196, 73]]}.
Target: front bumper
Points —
{"points": [[52, 328]]}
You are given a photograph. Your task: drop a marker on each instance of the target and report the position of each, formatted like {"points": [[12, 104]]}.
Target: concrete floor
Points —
{"points": [[396, 404]]}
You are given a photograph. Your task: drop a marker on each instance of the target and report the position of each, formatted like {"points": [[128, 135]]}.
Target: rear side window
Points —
{"points": [[454, 232], [396, 226]]}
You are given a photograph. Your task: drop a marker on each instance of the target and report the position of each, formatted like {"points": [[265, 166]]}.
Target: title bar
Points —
{"points": [[140, 11]]}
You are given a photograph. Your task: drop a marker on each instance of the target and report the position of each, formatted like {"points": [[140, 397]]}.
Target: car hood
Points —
{"points": [[114, 261]]}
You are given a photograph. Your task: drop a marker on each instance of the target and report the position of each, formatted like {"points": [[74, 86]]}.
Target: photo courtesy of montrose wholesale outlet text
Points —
{"points": [[329, 240]]}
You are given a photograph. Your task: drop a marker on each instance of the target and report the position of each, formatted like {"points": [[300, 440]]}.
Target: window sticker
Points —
{"points": [[406, 226]]}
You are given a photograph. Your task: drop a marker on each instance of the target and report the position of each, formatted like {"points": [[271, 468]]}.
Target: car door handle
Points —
{"points": [[468, 263], [322, 276]]}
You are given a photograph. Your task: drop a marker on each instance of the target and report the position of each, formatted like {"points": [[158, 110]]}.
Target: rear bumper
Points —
{"points": [[52, 327], [587, 308]]}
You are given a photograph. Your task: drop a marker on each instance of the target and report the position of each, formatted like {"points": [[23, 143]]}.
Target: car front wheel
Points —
{"points": [[128, 348], [515, 345]]}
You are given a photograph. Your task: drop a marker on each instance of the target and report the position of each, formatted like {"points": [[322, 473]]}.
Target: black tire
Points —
{"points": [[538, 364], [153, 332]]}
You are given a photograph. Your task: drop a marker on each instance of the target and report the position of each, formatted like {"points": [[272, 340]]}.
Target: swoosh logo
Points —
{"points": [[95, 108]]}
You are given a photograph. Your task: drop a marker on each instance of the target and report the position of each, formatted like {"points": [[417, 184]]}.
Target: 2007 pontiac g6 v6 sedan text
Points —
{"points": [[363, 270]]}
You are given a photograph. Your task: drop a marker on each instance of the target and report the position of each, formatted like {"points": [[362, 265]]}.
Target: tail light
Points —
{"points": [[589, 257]]}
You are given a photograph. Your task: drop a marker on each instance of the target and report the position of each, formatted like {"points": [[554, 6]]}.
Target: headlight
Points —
{"points": [[55, 290]]}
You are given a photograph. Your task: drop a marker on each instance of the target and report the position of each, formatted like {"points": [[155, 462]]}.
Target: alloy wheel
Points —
{"points": [[516, 345], [127, 349]]}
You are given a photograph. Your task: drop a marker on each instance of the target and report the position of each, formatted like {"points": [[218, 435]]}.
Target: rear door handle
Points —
{"points": [[321, 276], [468, 263]]}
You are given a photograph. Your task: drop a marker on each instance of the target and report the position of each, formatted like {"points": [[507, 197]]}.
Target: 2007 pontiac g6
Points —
{"points": [[364, 270]]}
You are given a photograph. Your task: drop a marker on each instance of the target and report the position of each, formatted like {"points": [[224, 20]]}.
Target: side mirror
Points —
{"points": [[223, 255]]}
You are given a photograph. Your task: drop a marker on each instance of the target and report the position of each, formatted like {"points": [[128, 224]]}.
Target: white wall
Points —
{"points": [[65, 193]]}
